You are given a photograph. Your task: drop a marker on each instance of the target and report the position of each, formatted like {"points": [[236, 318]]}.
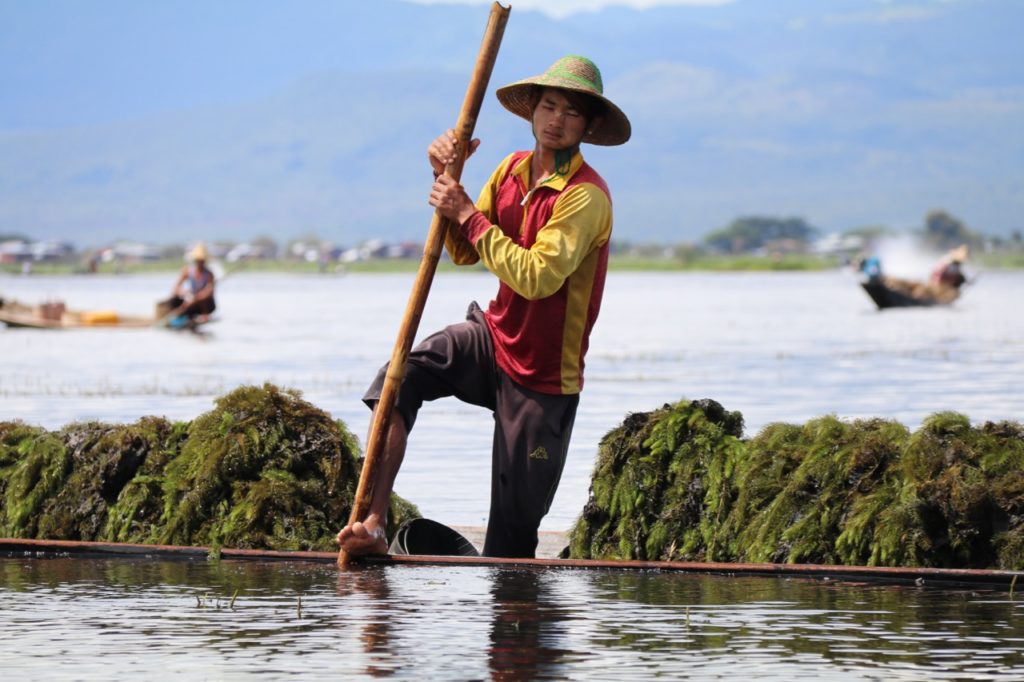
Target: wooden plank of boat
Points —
{"points": [[925, 577], [16, 314]]}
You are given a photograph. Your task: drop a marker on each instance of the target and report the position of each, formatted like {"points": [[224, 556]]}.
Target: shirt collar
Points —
{"points": [[555, 182]]}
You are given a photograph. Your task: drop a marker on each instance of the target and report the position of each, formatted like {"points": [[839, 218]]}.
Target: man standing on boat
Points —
{"points": [[541, 225]]}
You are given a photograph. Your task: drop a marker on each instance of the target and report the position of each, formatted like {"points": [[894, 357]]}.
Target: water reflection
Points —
{"points": [[524, 627], [145, 618], [528, 639], [525, 638], [870, 628], [371, 588]]}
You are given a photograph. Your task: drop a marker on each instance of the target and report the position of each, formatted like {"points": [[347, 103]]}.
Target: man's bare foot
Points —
{"points": [[363, 537]]}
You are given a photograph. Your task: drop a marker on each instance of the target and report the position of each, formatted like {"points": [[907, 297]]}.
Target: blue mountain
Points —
{"points": [[229, 120]]}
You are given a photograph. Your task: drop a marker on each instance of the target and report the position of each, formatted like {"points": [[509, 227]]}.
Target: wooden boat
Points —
{"points": [[53, 315], [995, 580], [891, 292]]}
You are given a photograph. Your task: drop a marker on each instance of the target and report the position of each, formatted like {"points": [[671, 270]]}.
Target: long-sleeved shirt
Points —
{"points": [[549, 249]]}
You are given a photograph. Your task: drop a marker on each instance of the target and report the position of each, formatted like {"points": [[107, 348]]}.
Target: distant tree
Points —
{"points": [[755, 232], [13, 238], [172, 251], [267, 245], [943, 231], [869, 232]]}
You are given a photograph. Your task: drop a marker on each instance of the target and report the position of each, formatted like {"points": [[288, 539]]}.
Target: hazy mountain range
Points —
{"points": [[232, 119]]}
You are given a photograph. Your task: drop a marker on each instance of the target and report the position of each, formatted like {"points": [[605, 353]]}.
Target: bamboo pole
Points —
{"points": [[428, 265]]}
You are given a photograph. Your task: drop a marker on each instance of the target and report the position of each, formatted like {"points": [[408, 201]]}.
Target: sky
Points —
{"points": [[242, 118], [564, 8]]}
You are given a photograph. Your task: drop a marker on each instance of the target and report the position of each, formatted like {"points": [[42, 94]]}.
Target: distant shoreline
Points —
{"points": [[1008, 260]]}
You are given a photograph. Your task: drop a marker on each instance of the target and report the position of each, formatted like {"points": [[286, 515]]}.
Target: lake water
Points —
{"points": [[775, 346], [66, 618]]}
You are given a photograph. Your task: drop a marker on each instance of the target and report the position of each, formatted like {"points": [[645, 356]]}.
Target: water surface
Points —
{"points": [[775, 346], [70, 618]]}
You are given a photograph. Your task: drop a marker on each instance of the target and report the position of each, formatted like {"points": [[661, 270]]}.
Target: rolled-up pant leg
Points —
{"points": [[456, 361]]}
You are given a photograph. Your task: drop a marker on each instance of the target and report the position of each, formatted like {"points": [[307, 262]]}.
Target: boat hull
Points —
{"points": [[892, 293]]}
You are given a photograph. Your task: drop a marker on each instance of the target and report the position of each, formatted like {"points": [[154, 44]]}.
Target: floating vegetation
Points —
{"points": [[104, 459], [33, 466], [263, 470], [680, 483]]}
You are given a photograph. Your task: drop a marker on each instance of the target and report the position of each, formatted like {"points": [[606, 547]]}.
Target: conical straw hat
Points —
{"points": [[959, 254], [578, 74], [198, 252]]}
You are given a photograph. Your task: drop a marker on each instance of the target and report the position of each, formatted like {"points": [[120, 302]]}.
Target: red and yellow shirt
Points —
{"points": [[549, 249]]}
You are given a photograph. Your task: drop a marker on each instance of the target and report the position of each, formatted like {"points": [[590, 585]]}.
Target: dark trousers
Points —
{"points": [[196, 308], [531, 429]]}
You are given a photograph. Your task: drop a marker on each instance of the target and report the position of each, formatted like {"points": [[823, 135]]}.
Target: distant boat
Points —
{"points": [[55, 316], [891, 292]]}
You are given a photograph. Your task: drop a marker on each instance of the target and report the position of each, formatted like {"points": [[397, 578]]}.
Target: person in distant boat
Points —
{"points": [[541, 225], [871, 268], [949, 270], [192, 296]]}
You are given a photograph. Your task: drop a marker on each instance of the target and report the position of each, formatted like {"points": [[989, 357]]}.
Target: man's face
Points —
{"points": [[557, 124]]}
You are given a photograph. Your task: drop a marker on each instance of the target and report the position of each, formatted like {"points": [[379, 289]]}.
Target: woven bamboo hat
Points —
{"points": [[578, 74], [198, 252], [959, 254]]}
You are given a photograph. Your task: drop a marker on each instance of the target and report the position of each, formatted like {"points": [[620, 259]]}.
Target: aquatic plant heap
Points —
{"points": [[263, 470], [680, 483]]}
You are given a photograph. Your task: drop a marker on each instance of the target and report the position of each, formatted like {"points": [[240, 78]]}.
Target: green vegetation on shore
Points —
{"points": [[748, 243], [682, 261]]}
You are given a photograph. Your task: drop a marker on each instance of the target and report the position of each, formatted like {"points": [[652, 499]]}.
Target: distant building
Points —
{"points": [[17, 251], [132, 251], [248, 251], [52, 251], [836, 244]]}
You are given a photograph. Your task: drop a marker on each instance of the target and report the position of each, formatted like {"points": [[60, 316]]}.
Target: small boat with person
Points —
{"points": [[55, 315], [190, 306], [942, 288]]}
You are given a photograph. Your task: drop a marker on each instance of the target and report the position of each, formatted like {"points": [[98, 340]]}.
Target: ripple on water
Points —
{"points": [[83, 618]]}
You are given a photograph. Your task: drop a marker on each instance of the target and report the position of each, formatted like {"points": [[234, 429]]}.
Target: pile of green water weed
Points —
{"points": [[819, 493], [680, 483], [102, 460], [33, 466], [970, 490], [263, 470], [660, 484]]}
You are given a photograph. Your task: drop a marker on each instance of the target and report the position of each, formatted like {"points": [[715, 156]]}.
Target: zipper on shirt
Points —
{"points": [[529, 193]]}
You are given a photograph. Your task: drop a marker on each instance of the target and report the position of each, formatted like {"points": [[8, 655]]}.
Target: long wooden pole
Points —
{"points": [[428, 265]]}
